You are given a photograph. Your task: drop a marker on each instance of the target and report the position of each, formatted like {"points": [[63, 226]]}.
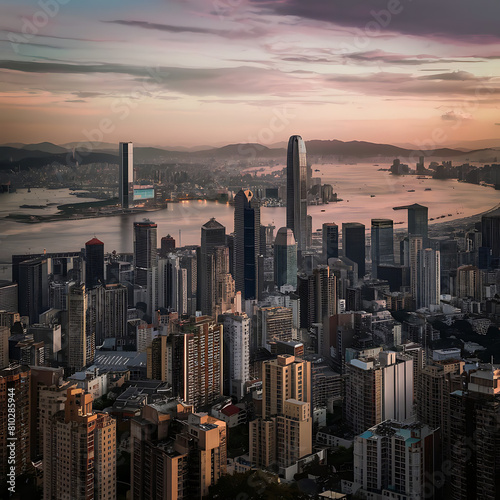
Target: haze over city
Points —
{"points": [[190, 73], [249, 249]]}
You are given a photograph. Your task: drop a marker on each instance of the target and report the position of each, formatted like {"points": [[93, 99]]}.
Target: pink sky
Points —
{"points": [[190, 72]]}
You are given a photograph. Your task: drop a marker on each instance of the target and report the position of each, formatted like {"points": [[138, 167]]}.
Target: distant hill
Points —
{"points": [[249, 151], [18, 155], [11, 158]]}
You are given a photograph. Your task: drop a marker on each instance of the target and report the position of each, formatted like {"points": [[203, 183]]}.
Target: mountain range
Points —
{"points": [[17, 155]]}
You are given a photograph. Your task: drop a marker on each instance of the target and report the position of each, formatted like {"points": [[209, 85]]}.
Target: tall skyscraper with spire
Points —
{"points": [[296, 191], [126, 175], [247, 244]]}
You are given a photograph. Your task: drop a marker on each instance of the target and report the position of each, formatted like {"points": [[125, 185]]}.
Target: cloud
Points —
{"points": [[380, 56], [453, 116], [240, 80], [246, 31], [456, 19], [453, 76]]}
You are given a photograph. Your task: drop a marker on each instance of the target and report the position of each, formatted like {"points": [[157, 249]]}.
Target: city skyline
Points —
{"points": [[72, 73]]}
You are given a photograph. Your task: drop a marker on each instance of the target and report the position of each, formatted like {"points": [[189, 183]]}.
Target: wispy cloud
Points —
{"points": [[241, 32]]}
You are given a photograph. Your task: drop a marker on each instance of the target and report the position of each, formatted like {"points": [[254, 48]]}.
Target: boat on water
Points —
{"points": [[316, 170], [372, 196], [427, 189], [323, 210], [411, 190]]}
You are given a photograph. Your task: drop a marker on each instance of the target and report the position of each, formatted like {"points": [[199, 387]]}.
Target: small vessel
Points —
{"points": [[411, 190], [427, 189], [323, 210], [317, 170], [432, 218], [372, 196], [449, 215]]}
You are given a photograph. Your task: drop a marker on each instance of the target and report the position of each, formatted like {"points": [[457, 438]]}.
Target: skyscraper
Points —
{"points": [[79, 452], [247, 244], [330, 241], [145, 263], [167, 245], [213, 235], [415, 244], [15, 394], [33, 288], [429, 281], [126, 175], [353, 243], [490, 228], [283, 434], [382, 243], [94, 263], [78, 329], [285, 258], [417, 219], [236, 354], [378, 389], [396, 460], [296, 191], [197, 361]]}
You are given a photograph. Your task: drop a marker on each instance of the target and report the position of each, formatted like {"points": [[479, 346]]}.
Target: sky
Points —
{"points": [[214, 72]]}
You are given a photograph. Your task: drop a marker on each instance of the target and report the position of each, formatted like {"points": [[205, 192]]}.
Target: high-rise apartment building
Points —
{"points": [[80, 335], [283, 433], [378, 389], [397, 460], [247, 245], [15, 420], [353, 244], [330, 237], [273, 323], [475, 436], [4, 346], [176, 466], [469, 283], [285, 258], [126, 175], [145, 261], [9, 293], [284, 378], [236, 354], [415, 245], [436, 381], [296, 191], [428, 277], [382, 243], [79, 451], [94, 263], [197, 361]]}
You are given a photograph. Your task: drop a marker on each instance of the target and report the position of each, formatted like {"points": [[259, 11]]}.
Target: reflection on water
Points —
{"points": [[355, 184]]}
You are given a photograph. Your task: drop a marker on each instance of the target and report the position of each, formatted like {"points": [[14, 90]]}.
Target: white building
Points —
{"points": [[236, 353], [378, 388], [391, 460]]}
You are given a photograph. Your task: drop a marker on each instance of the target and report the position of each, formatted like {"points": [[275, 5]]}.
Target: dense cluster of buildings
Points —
{"points": [[165, 352]]}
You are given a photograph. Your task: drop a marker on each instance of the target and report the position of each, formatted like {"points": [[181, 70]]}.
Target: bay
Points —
{"points": [[355, 184]]}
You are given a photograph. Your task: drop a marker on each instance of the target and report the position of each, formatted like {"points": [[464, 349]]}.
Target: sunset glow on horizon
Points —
{"points": [[194, 72]]}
